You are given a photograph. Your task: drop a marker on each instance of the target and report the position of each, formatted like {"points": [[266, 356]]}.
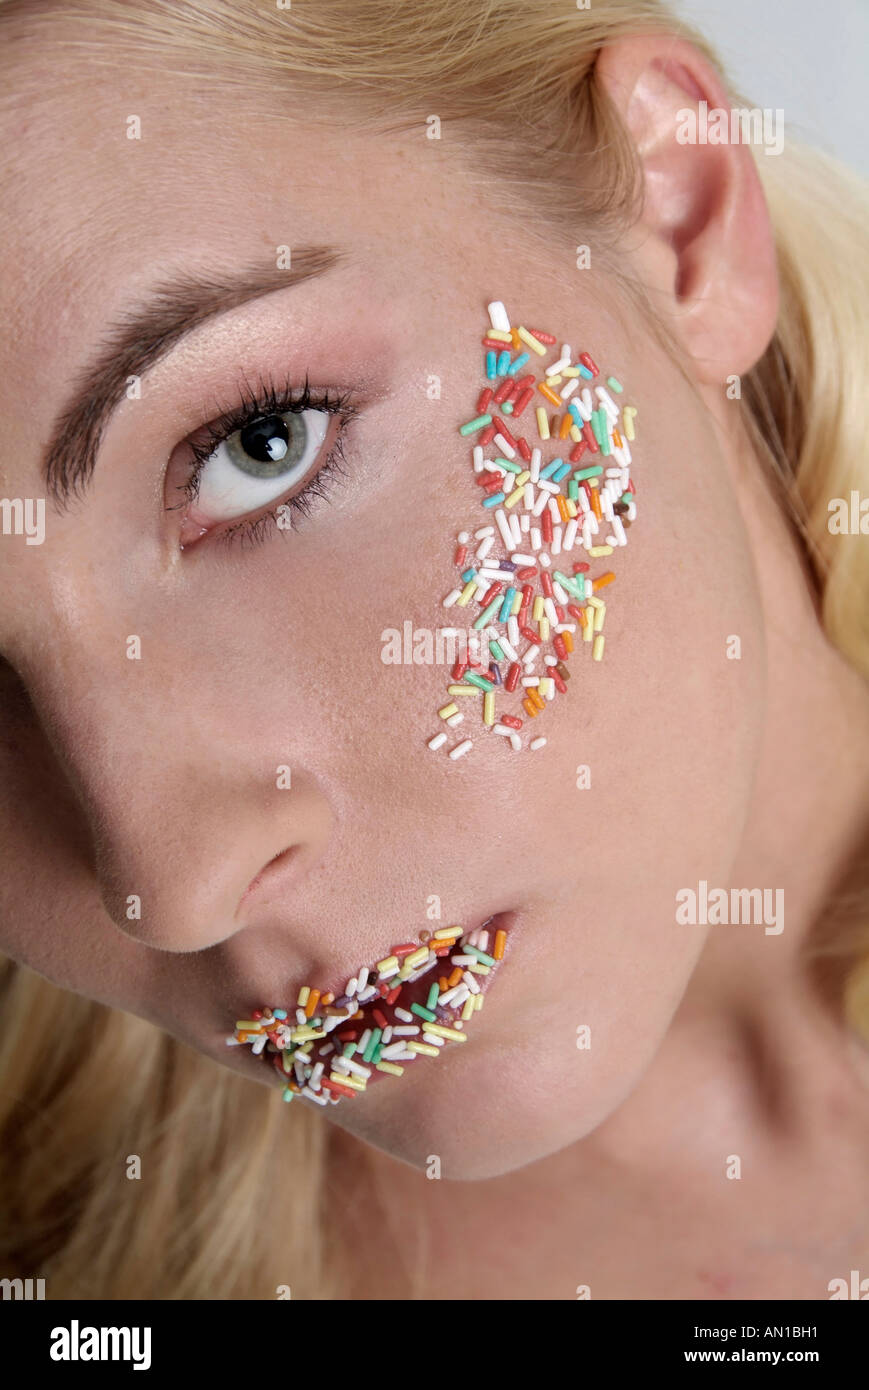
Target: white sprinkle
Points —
{"points": [[478, 458], [530, 680], [407, 1032], [470, 982], [434, 744], [537, 743], [515, 742], [544, 560], [570, 531], [455, 719], [513, 630], [461, 749], [484, 547], [301, 1016], [363, 978], [536, 538], [515, 531], [568, 390], [498, 316], [519, 559], [317, 1098], [451, 597], [525, 520], [483, 532], [506, 449], [503, 526], [433, 1038], [404, 1015], [497, 729], [508, 649]]}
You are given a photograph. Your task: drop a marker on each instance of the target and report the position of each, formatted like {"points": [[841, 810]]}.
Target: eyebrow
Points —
{"points": [[138, 339]]}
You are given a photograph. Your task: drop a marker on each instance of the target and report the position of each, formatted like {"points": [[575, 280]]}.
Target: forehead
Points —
{"points": [[117, 174]]}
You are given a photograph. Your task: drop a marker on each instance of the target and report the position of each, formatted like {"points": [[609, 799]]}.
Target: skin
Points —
{"points": [[156, 777]]}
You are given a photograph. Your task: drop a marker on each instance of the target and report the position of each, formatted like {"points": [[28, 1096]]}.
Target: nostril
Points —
{"points": [[264, 873]]}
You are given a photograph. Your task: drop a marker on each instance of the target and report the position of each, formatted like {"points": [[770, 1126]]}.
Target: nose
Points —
{"points": [[186, 796]]}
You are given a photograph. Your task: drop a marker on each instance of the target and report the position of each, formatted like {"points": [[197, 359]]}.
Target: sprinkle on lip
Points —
{"points": [[377, 1032]]}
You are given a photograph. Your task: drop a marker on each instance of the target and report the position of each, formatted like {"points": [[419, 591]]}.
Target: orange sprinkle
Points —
{"points": [[617, 439], [328, 998], [564, 427], [313, 1001], [602, 580], [454, 978], [595, 505], [550, 395], [498, 948], [567, 639], [442, 984], [516, 340], [529, 708], [535, 698], [561, 503]]}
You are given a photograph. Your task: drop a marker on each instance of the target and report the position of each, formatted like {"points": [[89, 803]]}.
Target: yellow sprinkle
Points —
{"points": [[588, 632], [478, 1001], [304, 992], [355, 1082], [489, 708], [447, 934], [499, 335], [392, 1067], [470, 588], [440, 1031], [463, 689], [542, 422], [553, 380], [628, 416], [478, 968], [597, 649], [594, 602], [570, 371], [514, 497], [599, 617], [245, 1026], [468, 1008], [575, 433], [531, 341], [543, 629], [415, 958], [538, 610], [425, 1048], [571, 506], [547, 686], [516, 604], [600, 550], [446, 711], [387, 963], [522, 478]]}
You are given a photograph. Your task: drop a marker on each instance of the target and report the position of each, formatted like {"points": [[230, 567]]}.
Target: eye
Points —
{"points": [[257, 464], [270, 448]]}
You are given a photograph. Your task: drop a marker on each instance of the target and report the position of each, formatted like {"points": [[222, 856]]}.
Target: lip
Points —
{"points": [[326, 1064]]}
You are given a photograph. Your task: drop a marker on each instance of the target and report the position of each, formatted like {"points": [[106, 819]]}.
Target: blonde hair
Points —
{"points": [[211, 1217]]}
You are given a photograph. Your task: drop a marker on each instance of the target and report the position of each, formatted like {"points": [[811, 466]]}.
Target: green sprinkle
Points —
{"points": [[509, 465], [496, 650], [376, 1035], [375, 1056], [349, 1049], [573, 490], [626, 497], [288, 1094], [614, 384], [481, 622], [479, 424], [479, 681], [433, 996], [597, 424], [582, 473], [569, 584], [422, 1013], [507, 407], [481, 955]]}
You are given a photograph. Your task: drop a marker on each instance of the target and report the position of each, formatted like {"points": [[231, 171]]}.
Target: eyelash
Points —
{"points": [[264, 399]]}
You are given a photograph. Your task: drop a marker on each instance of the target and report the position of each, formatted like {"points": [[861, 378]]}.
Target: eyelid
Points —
{"points": [[254, 401]]}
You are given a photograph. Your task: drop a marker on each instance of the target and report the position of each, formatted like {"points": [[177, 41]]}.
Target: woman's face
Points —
{"points": [[155, 776]]}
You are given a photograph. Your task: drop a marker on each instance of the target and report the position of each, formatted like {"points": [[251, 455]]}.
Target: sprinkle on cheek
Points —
{"points": [[565, 491]]}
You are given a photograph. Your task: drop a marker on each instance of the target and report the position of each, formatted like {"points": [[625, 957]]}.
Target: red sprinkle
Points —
{"points": [[588, 434], [483, 400], [461, 555], [511, 721], [524, 447], [546, 525], [544, 337], [546, 582], [589, 362], [503, 430], [528, 572], [512, 676], [487, 435], [575, 454], [530, 636]]}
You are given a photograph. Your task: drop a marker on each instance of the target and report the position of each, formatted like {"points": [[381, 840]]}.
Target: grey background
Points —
{"points": [[808, 57]]}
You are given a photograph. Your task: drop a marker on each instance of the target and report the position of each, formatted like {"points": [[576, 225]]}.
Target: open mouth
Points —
{"points": [[410, 1004]]}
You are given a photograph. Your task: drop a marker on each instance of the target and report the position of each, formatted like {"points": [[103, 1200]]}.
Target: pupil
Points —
{"points": [[267, 440]]}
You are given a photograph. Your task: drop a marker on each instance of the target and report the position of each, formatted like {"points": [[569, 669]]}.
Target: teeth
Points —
{"points": [[388, 1031]]}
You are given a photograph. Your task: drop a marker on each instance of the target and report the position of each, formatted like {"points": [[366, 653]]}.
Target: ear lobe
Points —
{"points": [[709, 258]]}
